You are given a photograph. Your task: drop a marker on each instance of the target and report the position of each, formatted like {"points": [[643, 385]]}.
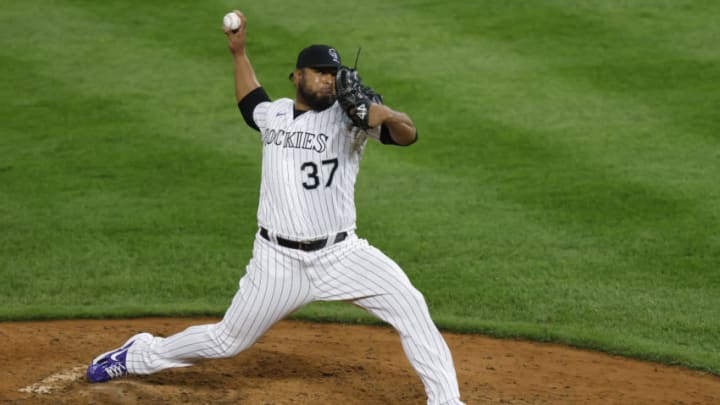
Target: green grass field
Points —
{"points": [[566, 185]]}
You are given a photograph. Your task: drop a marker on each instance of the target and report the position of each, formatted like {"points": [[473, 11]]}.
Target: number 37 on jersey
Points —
{"points": [[319, 173]]}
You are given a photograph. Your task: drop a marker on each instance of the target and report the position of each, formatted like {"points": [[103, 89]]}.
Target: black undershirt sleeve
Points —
{"points": [[248, 103], [386, 139]]}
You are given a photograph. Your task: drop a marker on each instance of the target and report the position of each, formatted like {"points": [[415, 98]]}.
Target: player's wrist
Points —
{"points": [[379, 114], [238, 53]]}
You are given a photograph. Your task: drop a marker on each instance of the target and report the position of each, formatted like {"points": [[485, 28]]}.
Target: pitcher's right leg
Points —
{"points": [[273, 287]]}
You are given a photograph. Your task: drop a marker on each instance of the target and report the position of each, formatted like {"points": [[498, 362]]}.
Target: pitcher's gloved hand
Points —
{"points": [[354, 97]]}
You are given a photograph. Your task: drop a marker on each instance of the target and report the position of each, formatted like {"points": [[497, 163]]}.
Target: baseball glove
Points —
{"points": [[354, 97]]}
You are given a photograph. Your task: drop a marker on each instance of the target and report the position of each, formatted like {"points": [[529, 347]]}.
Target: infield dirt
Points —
{"points": [[309, 363]]}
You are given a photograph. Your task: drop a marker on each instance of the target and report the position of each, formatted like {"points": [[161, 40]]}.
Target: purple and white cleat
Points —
{"points": [[112, 364]]}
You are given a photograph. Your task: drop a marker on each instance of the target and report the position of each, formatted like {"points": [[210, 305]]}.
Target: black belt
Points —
{"points": [[308, 246]]}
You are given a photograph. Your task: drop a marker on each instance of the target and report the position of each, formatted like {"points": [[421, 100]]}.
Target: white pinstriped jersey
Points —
{"points": [[309, 168]]}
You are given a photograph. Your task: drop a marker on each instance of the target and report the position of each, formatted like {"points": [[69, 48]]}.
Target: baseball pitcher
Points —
{"points": [[306, 248]]}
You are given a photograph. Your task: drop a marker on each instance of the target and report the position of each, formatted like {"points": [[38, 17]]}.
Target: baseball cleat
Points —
{"points": [[110, 365]]}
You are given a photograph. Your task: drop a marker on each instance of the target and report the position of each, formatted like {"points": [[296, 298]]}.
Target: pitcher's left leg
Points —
{"points": [[388, 294], [405, 309]]}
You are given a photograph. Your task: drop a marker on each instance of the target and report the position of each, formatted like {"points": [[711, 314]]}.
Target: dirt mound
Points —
{"points": [[308, 363]]}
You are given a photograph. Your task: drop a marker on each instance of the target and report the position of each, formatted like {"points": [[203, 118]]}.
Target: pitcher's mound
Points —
{"points": [[309, 363]]}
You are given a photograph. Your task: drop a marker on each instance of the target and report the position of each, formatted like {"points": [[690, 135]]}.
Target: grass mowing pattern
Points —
{"points": [[564, 187]]}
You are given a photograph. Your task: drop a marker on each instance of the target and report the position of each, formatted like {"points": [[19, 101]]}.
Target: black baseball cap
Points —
{"points": [[318, 56]]}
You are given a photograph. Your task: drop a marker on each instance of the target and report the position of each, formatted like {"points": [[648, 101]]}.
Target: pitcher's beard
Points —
{"points": [[316, 101]]}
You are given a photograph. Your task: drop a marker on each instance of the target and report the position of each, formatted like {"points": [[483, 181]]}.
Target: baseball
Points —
{"points": [[232, 22]]}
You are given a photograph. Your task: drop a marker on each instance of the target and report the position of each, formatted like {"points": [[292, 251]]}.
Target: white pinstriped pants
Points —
{"points": [[279, 281]]}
